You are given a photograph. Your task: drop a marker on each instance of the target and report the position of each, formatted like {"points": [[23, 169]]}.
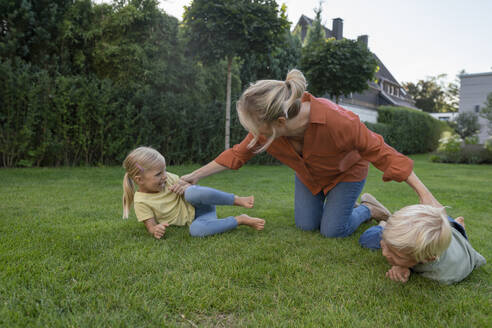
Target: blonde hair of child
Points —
{"points": [[421, 231], [136, 163], [267, 100]]}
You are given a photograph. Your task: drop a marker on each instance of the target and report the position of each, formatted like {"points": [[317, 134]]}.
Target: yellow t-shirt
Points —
{"points": [[164, 206]]}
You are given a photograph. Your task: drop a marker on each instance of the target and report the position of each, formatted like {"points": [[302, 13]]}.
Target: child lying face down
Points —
{"points": [[424, 240]]}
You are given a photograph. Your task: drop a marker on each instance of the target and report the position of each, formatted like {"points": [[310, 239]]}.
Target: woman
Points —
{"points": [[328, 148]]}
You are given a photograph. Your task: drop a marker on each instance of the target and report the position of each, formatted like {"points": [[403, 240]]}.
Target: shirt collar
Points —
{"points": [[316, 115]]}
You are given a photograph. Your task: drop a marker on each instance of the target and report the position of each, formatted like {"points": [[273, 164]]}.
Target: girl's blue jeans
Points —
{"points": [[371, 238], [204, 200], [332, 214]]}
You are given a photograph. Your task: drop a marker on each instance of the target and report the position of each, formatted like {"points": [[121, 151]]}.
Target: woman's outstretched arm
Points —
{"points": [[209, 169], [424, 194]]}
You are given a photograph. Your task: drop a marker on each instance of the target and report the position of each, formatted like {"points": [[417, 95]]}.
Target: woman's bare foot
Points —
{"points": [[255, 223], [247, 202], [461, 220]]}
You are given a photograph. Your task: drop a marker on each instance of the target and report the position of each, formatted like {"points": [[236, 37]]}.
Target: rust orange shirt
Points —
{"points": [[337, 147]]}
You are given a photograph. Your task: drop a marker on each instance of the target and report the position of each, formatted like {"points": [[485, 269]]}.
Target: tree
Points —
{"points": [[315, 32], [29, 30], [273, 65], [230, 28], [467, 125], [432, 95], [337, 67], [486, 111]]}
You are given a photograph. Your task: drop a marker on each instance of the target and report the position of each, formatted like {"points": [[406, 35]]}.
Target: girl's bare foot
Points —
{"points": [[255, 223], [247, 202], [461, 220]]}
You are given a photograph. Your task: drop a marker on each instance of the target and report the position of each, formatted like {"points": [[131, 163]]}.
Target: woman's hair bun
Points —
{"points": [[296, 82]]}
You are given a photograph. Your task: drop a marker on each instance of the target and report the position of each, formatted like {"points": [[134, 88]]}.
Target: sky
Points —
{"points": [[414, 39]]}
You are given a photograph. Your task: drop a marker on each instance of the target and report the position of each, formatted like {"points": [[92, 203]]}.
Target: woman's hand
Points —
{"points": [[181, 185], [398, 273], [192, 178]]}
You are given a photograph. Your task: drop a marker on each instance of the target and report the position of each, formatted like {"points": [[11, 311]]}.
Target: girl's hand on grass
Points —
{"points": [[398, 273], [159, 230]]}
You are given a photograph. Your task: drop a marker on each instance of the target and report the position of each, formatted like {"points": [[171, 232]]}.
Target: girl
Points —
{"points": [[157, 207]]}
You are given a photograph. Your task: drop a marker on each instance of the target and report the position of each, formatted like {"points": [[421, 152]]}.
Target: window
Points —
{"points": [[477, 108]]}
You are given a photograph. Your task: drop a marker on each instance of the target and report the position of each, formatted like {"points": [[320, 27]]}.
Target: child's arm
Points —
{"points": [[156, 229], [398, 273]]}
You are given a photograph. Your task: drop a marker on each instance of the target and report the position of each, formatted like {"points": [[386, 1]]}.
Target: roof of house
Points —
{"points": [[467, 75], [309, 21], [382, 74]]}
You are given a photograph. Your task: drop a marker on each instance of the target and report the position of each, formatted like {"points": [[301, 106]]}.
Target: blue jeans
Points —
{"points": [[371, 238], [204, 200], [334, 213]]}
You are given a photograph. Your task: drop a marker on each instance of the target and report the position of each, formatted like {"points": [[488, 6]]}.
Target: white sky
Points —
{"points": [[413, 38]]}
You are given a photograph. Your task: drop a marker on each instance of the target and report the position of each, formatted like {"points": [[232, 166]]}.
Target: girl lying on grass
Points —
{"points": [[158, 207], [424, 240]]}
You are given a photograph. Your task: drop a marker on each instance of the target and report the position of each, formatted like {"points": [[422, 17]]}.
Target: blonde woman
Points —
{"points": [[326, 145]]}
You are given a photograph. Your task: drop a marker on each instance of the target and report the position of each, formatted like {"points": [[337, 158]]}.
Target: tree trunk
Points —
{"points": [[228, 104]]}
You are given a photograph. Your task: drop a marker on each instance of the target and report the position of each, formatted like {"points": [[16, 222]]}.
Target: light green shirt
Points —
{"points": [[455, 264], [164, 206]]}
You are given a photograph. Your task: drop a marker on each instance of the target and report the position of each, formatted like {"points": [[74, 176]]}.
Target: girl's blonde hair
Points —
{"points": [[421, 231], [267, 100], [136, 163]]}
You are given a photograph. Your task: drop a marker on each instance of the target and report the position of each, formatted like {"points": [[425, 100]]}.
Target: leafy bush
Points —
{"points": [[471, 140], [488, 144], [453, 150], [450, 144], [468, 154], [407, 130], [467, 125]]}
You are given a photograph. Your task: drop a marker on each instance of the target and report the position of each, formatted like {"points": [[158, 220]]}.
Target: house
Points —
{"points": [[384, 91], [474, 90], [449, 116]]}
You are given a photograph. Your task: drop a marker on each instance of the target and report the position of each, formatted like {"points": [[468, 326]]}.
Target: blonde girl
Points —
{"points": [[157, 207]]}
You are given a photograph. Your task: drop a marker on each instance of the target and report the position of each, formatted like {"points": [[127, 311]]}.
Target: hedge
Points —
{"points": [[407, 130]]}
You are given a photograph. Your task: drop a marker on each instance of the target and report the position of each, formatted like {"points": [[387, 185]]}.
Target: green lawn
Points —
{"points": [[68, 259]]}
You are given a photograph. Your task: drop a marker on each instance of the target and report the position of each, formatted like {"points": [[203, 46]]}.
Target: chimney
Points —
{"points": [[338, 28], [363, 39]]}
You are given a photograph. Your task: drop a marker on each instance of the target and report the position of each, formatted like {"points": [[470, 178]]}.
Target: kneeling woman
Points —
{"points": [[326, 145]]}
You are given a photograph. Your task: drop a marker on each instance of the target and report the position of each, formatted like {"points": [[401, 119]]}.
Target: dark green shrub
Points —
{"points": [[407, 130]]}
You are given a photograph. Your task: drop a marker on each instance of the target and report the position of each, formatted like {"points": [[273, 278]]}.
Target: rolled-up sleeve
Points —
{"points": [[235, 157], [372, 148]]}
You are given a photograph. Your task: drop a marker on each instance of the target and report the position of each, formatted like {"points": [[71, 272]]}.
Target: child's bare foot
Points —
{"points": [[255, 223], [461, 220], [247, 202]]}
